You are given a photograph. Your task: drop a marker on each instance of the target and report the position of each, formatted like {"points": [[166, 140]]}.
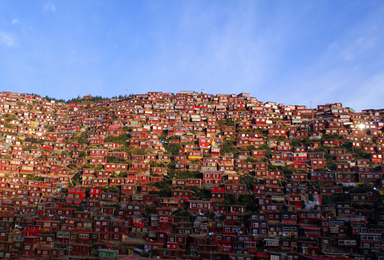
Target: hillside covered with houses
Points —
{"points": [[189, 176]]}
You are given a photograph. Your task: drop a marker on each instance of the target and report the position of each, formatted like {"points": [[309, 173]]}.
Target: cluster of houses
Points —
{"points": [[189, 176]]}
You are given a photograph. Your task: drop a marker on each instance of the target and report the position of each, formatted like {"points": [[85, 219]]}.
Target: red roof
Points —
{"points": [[113, 127]]}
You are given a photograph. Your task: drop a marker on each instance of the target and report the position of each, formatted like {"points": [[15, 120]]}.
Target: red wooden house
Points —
{"points": [[199, 206], [94, 193], [214, 177], [217, 194]]}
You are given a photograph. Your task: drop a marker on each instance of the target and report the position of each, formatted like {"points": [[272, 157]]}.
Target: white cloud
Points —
{"points": [[348, 56], [15, 21], [370, 94], [7, 39], [49, 7]]}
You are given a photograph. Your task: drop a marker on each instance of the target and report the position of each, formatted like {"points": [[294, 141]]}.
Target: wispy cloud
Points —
{"points": [[7, 39], [347, 69], [369, 94], [49, 7], [292, 52]]}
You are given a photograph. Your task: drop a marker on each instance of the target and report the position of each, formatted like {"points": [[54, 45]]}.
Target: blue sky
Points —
{"points": [[290, 52]]}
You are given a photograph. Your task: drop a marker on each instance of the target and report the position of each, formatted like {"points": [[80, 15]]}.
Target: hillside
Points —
{"points": [[188, 176]]}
